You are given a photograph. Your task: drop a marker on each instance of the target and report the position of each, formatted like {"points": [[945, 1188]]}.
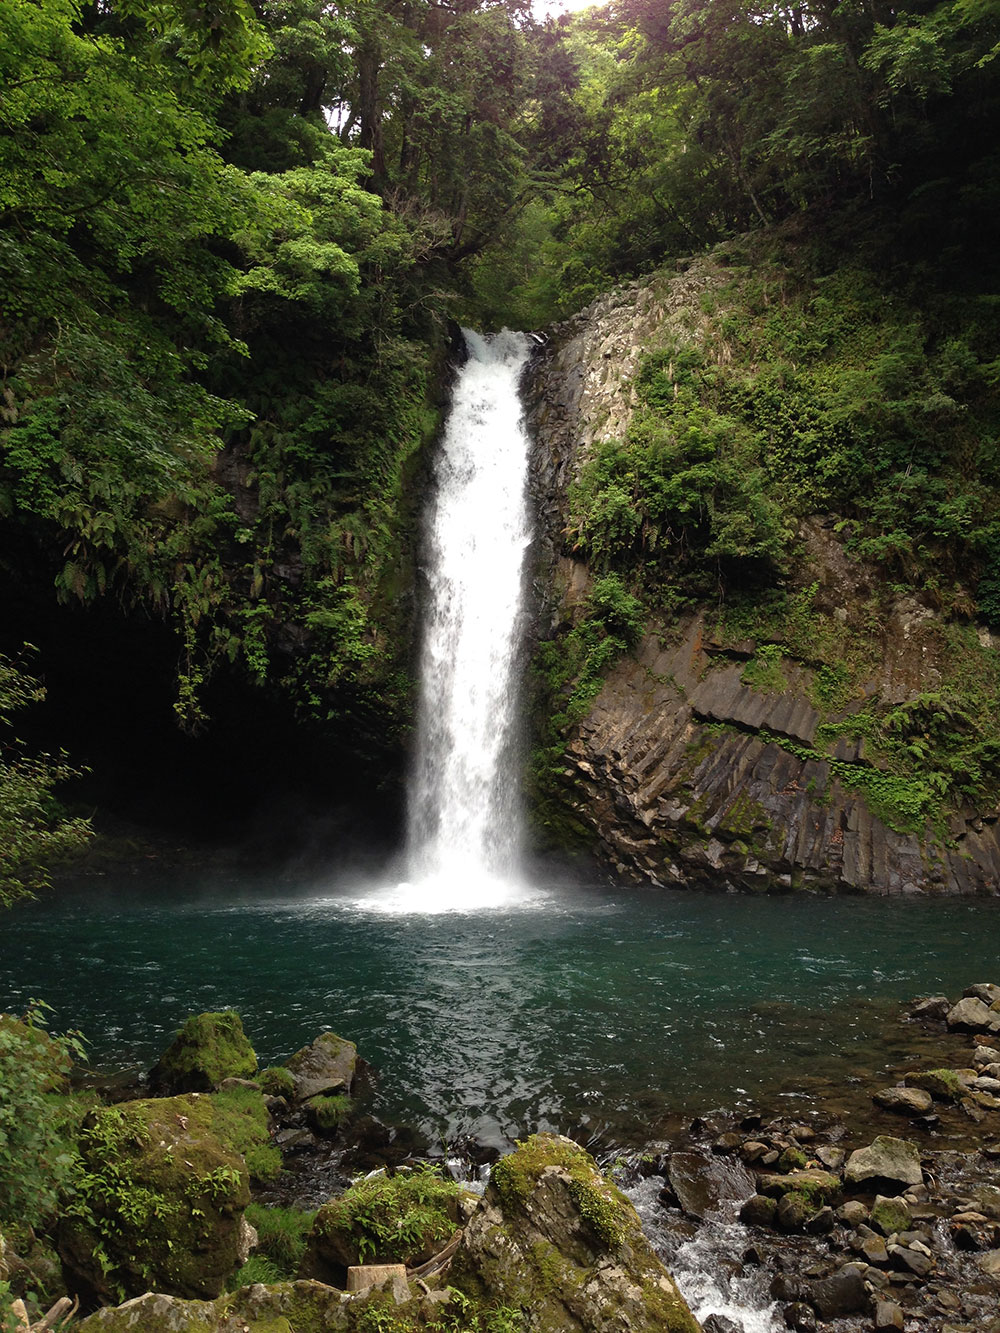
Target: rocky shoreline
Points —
{"points": [[876, 1213]]}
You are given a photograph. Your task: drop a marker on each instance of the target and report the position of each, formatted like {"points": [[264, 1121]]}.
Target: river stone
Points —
{"points": [[972, 1015], [889, 1215], [916, 1261], [792, 1212], [819, 1186], [990, 1263], [906, 1101], [935, 1006], [208, 1049], [888, 1316], [758, 1211], [944, 1085], [987, 991], [842, 1293], [852, 1213], [554, 1238], [703, 1182], [985, 1055], [276, 1308], [326, 1067], [885, 1159]]}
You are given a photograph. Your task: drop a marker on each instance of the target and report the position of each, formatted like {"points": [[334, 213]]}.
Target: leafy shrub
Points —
{"points": [[282, 1235], [37, 1120]]}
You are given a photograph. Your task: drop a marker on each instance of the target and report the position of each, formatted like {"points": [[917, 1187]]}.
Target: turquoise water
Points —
{"points": [[584, 1010]]}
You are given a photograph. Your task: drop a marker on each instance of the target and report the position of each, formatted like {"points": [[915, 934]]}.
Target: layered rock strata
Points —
{"points": [[681, 773]]}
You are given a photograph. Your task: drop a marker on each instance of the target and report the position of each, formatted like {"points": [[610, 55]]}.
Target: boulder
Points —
{"points": [[888, 1317], [983, 1056], [944, 1085], [703, 1182], [402, 1219], [161, 1205], [972, 1015], [252, 1309], [557, 1240], [817, 1186], [758, 1211], [934, 1006], [852, 1213], [841, 1293], [895, 1161], [324, 1068], [987, 991], [890, 1215], [904, 1101], [793, 1212], [207, 1049]]}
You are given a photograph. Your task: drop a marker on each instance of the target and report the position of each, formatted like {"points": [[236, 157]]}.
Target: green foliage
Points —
{"points": [[387, 1219], [764, 670], [34, 830], [155, 1195], [37, 1119], [685, 490], [241, 1120], [276, 1081], [282, 1234], [329, 1113]]}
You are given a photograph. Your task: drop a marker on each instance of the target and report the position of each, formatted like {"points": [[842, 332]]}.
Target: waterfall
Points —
{"points": [[464, 835]]}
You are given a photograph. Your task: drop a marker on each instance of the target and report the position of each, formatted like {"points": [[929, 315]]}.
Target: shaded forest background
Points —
{"points": [[235, 238]]}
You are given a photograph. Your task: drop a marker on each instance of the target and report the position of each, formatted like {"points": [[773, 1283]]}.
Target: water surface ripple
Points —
{"points": [[586, 1009]]}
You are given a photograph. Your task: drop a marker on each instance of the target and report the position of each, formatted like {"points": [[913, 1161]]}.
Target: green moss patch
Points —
{"points": [[208, 1048], [399, 1219]]}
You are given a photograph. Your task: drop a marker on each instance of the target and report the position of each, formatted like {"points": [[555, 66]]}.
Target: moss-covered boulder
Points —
{"points": [[556, 1240], [159, 1202], [886, 1161], [286, 1307], [207, 1049], [400, 1219], [814, 1184], [944, 1085]]}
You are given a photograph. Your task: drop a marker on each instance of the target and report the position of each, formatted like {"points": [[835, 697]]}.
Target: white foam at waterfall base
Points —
{"points": [[464, 809]]}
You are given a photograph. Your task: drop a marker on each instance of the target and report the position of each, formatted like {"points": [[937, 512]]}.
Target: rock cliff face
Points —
{"points": [[684, 771]]}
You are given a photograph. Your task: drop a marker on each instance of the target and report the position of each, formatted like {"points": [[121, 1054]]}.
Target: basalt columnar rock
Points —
{"points": [[685, 769]]}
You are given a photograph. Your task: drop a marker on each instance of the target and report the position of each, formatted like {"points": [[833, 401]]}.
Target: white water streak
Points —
{"points": [[464, 842]]}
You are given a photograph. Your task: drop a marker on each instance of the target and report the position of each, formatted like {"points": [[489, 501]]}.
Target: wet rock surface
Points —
{"points": [[881, 1229]]}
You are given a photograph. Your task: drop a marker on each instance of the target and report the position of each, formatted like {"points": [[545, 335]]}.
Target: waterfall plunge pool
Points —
{"points": [[589, 1010]]}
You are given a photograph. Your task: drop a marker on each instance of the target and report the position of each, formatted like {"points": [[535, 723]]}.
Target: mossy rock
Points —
{"points": [[889, 1215], [556, 1239], [277, 1081], [159, 1201], [327, 1114], [792, 1159], [944, 1085], [814, 1184], [285, 1307], [207, 1049], [400, 1219]]}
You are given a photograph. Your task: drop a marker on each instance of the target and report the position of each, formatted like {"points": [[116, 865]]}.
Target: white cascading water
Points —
{"points": [[464, 804]]}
